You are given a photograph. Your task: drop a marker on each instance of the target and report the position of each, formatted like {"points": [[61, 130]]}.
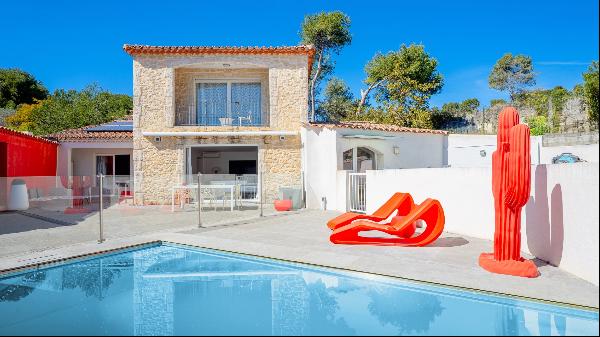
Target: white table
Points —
{"points": [[230, 188]]}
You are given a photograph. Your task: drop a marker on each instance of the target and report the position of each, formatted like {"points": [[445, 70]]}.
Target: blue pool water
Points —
{"points": [[174, 290]]}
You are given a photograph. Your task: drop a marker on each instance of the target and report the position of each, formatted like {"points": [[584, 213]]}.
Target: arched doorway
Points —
{"points": [[359, 159]]}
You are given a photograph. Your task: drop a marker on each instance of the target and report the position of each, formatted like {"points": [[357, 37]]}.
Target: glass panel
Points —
{"points": [[365, 159], [122, 165], [245, 103], [212, 104], [347, 158], [104, 165]]}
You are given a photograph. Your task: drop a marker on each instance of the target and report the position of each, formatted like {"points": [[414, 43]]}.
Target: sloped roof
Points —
{"points": [[135, 49], [10, 132], [85, 134], [375, 127]]}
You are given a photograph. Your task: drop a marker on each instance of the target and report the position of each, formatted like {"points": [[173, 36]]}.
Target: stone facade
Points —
{"points": [[164, 88]]}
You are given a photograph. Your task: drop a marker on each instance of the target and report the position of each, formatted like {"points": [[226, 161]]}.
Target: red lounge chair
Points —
{"points": [[402, 202], [429, 211]]}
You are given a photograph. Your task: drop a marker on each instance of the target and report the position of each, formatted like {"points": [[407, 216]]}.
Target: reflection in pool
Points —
{"points": [[170, 290]]}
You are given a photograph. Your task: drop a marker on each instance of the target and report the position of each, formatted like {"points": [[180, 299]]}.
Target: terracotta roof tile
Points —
{"points": [[83, 135], [376, 127], [134, 49], [11, 132]]}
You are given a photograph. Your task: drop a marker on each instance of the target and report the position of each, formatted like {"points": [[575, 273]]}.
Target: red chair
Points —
{"points": [[402, 227], [401, 202]]}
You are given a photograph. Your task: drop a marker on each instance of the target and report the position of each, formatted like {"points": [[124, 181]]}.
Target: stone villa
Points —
{"points": [[195, 105]]}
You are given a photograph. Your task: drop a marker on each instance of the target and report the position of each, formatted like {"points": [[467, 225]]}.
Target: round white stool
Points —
{"points": [[18, 199]]}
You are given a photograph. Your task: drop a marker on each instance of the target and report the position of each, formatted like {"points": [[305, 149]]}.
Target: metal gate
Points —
{"points": [[357, 189]]}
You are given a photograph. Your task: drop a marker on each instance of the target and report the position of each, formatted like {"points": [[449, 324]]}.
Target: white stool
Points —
{"points": [[18, 199]]}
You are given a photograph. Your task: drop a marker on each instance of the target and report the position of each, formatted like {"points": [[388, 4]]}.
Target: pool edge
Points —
{"points": [[10, 272], [429, 283]]}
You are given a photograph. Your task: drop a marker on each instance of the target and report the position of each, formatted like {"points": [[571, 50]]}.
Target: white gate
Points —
{"points": [[357, 189]]}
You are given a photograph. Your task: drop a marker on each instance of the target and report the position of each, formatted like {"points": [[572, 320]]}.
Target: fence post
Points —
{"points": [[199, 197], [262, 191], [101, 205]]}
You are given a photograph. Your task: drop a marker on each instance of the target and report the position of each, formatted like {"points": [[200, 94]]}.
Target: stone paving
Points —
{"points": [[23, 232], [303, 237]]}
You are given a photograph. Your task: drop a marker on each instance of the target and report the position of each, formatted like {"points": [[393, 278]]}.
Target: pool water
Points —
{"points": [[173, 290]]}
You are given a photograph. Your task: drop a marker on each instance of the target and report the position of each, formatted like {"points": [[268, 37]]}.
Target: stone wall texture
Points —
{"points": [[164, 87]]}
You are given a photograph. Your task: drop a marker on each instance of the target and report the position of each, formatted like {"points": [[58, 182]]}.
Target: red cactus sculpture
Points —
{"points": [[511, 184]]}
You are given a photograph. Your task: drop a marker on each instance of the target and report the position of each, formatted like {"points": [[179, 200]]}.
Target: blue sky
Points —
{"points": [[70, 44]]}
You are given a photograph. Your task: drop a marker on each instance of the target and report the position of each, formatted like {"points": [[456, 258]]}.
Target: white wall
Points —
{"points": [[560, 222], [588, 153], [84, 160], [412, 147], [320, 166], [322, 156], [464, 151], [85, 156]]}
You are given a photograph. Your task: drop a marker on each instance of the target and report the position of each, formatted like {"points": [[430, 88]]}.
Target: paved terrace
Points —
{"points": [[301, 237]]}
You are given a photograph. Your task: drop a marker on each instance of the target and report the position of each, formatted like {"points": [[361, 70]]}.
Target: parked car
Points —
{"points": [[566, 157]]}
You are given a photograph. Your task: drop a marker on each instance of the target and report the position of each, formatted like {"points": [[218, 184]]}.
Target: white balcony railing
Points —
{"points": [[204, 118]]}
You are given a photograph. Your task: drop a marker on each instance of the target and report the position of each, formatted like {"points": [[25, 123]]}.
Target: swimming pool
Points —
{"points": [[176, 290]]}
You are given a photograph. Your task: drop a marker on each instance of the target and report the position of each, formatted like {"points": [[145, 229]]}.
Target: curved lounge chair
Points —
{"points": [[429, 211], [401, 202]]}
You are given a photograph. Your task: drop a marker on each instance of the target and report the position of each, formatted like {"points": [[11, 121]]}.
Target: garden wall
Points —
{"points": [[560, 221]]}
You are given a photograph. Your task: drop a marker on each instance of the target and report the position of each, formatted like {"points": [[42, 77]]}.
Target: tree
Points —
{"points": [[498, 101], [403, 82], [338, 102], [22, 119], [66, 109], [378, 69], [454, 114], [590, 91], [512, 74], [470, 106], [328, 33], [18, 87], [414, 78], [538, 125], [549, 103], [408, 77]]}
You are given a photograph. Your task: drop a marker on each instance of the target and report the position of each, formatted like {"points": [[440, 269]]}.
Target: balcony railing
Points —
{"points": [[203, 118]]}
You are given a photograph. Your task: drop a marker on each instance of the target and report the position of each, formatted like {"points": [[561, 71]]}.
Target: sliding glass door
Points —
{"points": [[229, 103], [212, 104], [245, 103]]}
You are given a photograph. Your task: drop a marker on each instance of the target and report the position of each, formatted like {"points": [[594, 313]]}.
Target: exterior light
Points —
{"points": [[396, 150], [482, 153], [226, 65]]}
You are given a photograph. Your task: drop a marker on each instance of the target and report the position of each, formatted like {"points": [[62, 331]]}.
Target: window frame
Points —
{"points": [[229, 82], [354, 150]]}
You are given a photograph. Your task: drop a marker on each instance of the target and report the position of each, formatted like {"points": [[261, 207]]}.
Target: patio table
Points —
{"points": [[230, 188]]}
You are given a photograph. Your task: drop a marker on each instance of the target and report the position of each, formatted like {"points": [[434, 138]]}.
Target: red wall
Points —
{"points": [[27, 155]]}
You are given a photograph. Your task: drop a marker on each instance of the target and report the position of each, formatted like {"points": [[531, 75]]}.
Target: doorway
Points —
{"points": [[228, 160], [3, 159], [225, 165], [359, 159]]}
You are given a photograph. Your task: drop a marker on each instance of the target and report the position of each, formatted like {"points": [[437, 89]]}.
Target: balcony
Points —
{"points": [[214, 117], [204, 100]]}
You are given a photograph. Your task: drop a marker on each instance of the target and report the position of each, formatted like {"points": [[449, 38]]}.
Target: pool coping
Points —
{"points": [[11, 272]]}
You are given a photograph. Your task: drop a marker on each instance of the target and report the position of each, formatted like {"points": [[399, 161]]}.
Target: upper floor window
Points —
{"points": [[233, 103]]}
